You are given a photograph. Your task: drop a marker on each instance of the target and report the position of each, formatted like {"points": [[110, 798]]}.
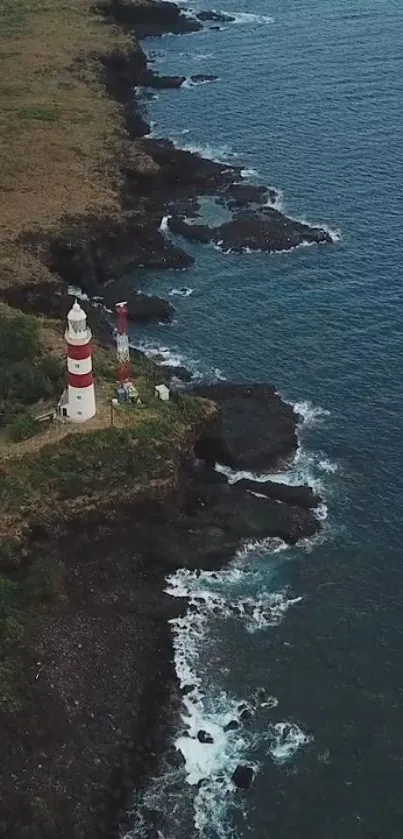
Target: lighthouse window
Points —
{"points": [[78, 326], [77, 366], [78, 398]]}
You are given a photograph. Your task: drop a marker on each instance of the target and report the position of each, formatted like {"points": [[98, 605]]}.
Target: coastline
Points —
{"points": [[88, 252]]}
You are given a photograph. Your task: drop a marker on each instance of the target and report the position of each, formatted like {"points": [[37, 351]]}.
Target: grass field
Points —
{"points": [[59, 131]]}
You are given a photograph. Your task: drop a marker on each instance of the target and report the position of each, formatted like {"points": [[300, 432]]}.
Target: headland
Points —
{"points": [[93, 519]]}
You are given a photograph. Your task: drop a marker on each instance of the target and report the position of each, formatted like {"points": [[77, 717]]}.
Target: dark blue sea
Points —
{"points": [[309, 100]]}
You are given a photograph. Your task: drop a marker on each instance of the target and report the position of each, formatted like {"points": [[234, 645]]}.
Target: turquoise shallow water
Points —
{"points": [[312, 101]]}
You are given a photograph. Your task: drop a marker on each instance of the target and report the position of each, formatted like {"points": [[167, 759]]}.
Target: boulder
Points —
{"points": [[243, 776], [204, 736], [232, 725]]}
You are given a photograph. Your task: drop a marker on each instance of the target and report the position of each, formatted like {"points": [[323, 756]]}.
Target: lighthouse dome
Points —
{"points": [[76, 313]]}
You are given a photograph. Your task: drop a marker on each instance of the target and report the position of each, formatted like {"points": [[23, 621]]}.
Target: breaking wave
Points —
{"points": [[189, 82], [284, 739], [180, 292], [209, 765], [246, 17], [220, 154], [170, 357], [310, 414], [164, 227]]}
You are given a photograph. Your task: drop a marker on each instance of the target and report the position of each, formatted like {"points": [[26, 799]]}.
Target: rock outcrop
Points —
{"points": [[253, 232], [243, 776], [254, 429]]}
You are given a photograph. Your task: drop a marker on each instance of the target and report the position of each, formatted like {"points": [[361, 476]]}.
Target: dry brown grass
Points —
{"points": [[59, 130]]}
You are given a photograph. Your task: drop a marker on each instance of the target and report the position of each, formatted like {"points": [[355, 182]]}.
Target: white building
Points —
{"points": [[78, 400], [162, 392]]}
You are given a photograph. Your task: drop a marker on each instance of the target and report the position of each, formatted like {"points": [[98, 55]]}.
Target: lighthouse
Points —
{"points": [[78, 401]]}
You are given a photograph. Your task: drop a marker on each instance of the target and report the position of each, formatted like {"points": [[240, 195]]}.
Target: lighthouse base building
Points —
{"points": [[77, 403]]}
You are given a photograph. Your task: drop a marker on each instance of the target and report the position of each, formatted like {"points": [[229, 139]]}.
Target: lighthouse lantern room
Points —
{"points": [[78, 401]]}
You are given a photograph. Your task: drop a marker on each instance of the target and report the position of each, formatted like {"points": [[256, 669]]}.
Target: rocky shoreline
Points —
{"points": [[103, 668], [157, 180]]}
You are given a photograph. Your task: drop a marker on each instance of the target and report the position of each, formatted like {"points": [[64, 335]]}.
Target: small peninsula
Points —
{"points": [[95, 515]]}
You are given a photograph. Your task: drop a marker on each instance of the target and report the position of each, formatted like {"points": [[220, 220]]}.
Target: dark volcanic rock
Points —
{"points": [[204, 736], [302, 496], [169, 371], [274, 232], [50, 299], [217, 17], [45, 298], [255, 427], [216, 516], [203, 77], [150, 18], [122, 70], [232, 725], [150, 79], [194, 232], [241, 195], [177, 169], [143, 308], [243, 777], [94, 250]]}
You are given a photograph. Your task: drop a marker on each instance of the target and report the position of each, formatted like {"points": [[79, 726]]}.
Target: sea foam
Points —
{"points": [[246, 17], [180, 292], [284, 740], [209, 766], [172, 357], [189, 82]]}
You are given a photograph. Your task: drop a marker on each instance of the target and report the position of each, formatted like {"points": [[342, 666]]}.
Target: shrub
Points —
{"points": [[19, 338], [23, 427]]}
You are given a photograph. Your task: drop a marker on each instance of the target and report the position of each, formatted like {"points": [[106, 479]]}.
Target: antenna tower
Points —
{"points": [[122, 344]]}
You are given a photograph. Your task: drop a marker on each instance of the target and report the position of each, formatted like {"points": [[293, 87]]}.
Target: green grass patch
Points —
{"points": [[13, 18], [27, 373], [50, 113], [100, 461]]}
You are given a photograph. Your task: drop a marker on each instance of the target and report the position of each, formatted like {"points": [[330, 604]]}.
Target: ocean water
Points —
{"points": [[308, 100]]}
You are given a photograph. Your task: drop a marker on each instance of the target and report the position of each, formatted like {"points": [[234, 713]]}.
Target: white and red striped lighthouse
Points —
{"points": [[80, 403]]}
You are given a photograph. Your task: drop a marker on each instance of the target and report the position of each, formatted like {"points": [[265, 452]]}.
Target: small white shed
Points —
{"points": [[162, 392]]}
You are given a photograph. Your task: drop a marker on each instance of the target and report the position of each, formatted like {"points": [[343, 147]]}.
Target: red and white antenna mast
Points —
{"points": [[122, 344]]}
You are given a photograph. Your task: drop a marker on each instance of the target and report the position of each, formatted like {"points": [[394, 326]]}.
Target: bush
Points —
{"points": [[23, 427], [26, 376], [19, 338]]}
